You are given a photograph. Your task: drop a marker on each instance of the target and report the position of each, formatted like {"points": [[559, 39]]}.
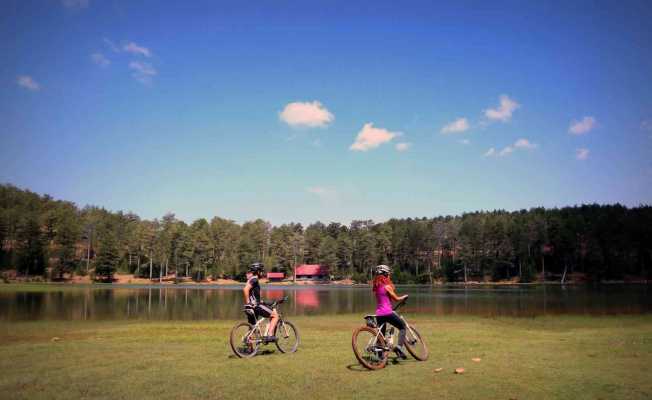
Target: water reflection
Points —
{"points": [[192, 303], [272, 294], [308, 298]]}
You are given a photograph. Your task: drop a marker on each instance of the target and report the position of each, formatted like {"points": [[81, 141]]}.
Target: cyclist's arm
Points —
{"points": [[245, 291], [392, 293]]}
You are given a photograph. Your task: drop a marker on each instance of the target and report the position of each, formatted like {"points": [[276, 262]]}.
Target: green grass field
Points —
{"points": [[544, 358]]}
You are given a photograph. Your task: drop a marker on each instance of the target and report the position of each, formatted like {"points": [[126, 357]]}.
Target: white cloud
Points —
{"points": [[324, 193], [133, 48], [506, 151], [504, 112], [646, 125], [28, 83], [99, 59], [582, 154], [525, 144], [457, 126], [143, 72], [111, 45], [465, 141], [519, 144], [75, 3], [582, 127], [370, 137], [306, 114], [403, 146]]}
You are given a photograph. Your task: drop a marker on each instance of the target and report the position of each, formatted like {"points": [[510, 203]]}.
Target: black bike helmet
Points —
{"points": [[256, 267]]}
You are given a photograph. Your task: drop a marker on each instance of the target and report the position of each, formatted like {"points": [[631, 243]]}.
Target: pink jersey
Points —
{"points": [[383, 304]]}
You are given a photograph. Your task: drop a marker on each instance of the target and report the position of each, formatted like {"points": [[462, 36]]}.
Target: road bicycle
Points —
{"points": [[372, 343], [246, 339]]}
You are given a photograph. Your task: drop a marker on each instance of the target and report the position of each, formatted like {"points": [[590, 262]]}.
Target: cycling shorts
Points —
{"points": [[259, 310]]}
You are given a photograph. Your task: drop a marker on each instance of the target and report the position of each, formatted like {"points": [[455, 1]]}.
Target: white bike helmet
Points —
{"points": [[383, 269]]}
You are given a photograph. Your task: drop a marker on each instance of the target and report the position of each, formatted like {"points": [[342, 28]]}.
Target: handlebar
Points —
{"points": [[277, 302], [400, 303]]}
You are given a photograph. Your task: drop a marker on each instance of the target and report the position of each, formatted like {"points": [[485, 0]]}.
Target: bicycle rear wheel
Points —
{"points": [[369, 348], [415, 344], [287, 337], [244, 340]]}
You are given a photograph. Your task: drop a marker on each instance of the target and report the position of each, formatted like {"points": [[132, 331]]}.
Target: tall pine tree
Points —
{"points": [[107, 257]]}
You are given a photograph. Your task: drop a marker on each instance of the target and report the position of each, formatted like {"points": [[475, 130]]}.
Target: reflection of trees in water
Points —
{"points": [[31, 304], [104, 304], [174, 303]]}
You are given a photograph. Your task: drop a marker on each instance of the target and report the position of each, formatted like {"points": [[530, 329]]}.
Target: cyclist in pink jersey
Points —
{"points": [[385, 292]]}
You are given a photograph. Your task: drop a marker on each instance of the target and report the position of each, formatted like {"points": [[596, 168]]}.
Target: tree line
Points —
{"points": [[54, 238]]}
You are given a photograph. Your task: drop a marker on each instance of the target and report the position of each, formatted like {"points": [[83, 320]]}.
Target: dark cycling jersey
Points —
{"points": [[254, 292], [258, 307]]}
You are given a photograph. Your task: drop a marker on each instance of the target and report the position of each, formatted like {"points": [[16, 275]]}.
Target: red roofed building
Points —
{"points": [[311, 272], [275, 276]]}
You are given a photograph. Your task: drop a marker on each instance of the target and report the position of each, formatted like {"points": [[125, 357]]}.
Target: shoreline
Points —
{"points": [[231, 283]]}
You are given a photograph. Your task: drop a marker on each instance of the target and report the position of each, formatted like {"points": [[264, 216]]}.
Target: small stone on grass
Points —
{"points": [[459, 370], [438, 369], [476, 359]]}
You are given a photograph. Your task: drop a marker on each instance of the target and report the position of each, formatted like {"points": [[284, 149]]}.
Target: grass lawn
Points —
{"points": [[542, 358]]}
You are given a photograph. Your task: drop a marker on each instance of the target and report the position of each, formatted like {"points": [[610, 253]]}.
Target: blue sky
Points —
{"points": [[327, 111]]}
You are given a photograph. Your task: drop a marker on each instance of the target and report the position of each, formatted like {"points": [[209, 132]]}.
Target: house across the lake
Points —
{"points": [[275, 276], [313, 272]]}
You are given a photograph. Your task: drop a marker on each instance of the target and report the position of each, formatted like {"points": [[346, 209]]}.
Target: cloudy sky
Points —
{"points": [[326, 111]]}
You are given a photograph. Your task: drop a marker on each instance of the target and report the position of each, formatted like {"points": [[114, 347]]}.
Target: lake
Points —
{"points": [[112, 302]]}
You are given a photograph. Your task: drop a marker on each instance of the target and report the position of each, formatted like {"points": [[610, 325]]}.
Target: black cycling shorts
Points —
{"points": [[260, 310], [263, 310]]}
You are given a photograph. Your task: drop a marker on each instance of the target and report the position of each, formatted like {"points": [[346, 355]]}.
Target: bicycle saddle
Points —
{"points": [[371, 320]]}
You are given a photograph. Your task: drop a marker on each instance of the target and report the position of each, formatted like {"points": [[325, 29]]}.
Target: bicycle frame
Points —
{"points": [[259, 325], [246, 337], [256, 329], [373, 341], [389, 341]]}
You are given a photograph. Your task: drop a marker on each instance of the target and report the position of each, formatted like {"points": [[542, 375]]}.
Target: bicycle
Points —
{"points": [[372, 347], [245, 338]]}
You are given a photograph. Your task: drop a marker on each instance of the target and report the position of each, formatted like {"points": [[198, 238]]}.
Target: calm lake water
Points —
{"points": [[225, 302]]}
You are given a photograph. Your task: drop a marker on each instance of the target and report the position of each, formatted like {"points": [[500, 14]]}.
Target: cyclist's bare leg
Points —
{"points": [[271, 327]]}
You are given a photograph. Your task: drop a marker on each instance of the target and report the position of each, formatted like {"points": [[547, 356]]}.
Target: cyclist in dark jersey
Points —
{"points": [[254, 307]]}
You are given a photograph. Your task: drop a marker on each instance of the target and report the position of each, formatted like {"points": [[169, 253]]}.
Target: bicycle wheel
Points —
{"points": [[287, 337], [369, 348], [415, 344], [244, 340]]}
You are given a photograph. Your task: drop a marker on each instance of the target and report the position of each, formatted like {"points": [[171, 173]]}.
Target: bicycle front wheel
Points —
{"points": [[415, 344], [244, 340], [369, 348], [287, 337]]}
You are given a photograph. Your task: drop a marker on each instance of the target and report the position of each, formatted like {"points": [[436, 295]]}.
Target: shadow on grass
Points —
{"points": [[357, 368], [260, 353], [391, 361]]}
